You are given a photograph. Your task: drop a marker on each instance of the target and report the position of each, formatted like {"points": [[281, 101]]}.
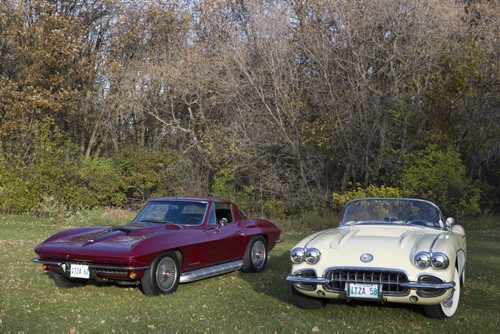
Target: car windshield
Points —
{"points": [[172, 212], [392, 211]]}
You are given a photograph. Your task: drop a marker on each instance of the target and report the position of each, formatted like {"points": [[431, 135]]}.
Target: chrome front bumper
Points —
{"points": [[409, 285], [58, 264]]}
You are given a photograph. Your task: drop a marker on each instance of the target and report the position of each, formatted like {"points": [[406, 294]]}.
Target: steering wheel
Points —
{"points": [[193, 220], [418, 222]]}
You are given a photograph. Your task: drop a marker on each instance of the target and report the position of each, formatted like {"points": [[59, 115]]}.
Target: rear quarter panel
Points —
{"points": [[255, 227]]}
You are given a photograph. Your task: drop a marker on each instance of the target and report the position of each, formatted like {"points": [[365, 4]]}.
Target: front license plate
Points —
{"points": [[79, 271], [364, 291]]}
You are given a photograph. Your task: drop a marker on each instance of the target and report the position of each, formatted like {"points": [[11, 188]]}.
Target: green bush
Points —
{"points": [[53, 178], [438, 175], [40, 181], [340, 200], [146, 173], [101, 184]]}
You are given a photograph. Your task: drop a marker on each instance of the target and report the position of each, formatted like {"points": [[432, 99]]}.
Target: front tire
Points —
{"points": [[163, 275], [64, 283], [255, 258], [447, 308], [306, 302]]}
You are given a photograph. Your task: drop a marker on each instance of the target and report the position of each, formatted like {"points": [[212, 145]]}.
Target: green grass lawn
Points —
{"points": [[235, 302]]}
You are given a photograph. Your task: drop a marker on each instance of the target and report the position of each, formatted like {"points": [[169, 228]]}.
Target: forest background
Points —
{"points": [[285, 107]]}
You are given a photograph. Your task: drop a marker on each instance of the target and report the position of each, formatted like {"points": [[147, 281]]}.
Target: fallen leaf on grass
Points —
{"points": [[315, 329]]}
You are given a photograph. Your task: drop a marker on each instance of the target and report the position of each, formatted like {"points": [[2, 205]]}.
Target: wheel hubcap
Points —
{"points": [[166, 274], [258, 254]]}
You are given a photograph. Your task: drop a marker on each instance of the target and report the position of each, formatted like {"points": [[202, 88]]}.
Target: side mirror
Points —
{"points": [[449, 222], [222, 222]]}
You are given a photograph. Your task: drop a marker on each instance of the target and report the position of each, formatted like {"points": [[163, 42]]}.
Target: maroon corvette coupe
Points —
{"points": [[171, 241]]}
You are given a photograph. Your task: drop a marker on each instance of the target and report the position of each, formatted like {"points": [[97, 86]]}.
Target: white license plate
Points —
{"points": [[355, 290], [79, 271]]}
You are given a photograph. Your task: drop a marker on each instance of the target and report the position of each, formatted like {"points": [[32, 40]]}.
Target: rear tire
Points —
{"points": [[64, 283], [163, 275], [306, 302], [255, 258], [447, 308]]}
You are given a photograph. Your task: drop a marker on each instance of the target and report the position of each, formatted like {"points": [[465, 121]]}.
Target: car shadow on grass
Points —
{"points": [[88, 283], [272, 282]]}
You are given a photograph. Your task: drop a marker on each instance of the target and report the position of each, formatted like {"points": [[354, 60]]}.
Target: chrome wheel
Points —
{"points": [[258, 254], [255, 258], [166, 274]]}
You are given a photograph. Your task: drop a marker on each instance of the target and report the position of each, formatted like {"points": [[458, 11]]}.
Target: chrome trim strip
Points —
{"points": [[295, 279], [317, 236], [218, 269], [91, 265], [365, 269], [277, 241], [416, 285]]}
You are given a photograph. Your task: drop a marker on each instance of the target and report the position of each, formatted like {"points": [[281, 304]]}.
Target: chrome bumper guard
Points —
{"points": [[296, 279], [416, 285]]}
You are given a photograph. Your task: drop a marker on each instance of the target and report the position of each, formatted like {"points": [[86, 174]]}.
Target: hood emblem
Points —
{"points": [[365, 258]]}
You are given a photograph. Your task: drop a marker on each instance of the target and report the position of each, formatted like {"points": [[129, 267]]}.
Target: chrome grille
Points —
{"points": [[389, 280]]}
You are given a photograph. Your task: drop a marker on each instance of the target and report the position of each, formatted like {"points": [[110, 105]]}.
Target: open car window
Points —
{"points": [[223, 210]]}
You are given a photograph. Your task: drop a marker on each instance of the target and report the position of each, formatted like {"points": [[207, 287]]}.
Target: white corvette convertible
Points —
{"points": [[397, 250]]}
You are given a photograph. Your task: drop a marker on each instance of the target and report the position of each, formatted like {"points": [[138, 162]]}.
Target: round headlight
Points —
{"points": [[312, 255], [439, 261], [423, 260], [297, 255]]}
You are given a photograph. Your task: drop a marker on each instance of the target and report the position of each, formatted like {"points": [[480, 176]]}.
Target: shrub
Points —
{"points": [[438, 175], [40, 180], [340, 200], [145, 173], [101, 184]]}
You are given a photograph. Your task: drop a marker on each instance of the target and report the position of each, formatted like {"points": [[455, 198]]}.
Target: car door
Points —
{"points": [[226, 240]]}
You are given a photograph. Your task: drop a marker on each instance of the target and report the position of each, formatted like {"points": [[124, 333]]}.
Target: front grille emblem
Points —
{"points": [[365, 258]]}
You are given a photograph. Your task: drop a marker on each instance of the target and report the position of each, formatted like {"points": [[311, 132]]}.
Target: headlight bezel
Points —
{"points": [[312, 255], [435, 260], [422, 260], [300, 255], [297, 255], [443, 262]]}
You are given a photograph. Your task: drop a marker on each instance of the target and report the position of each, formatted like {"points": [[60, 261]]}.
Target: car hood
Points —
{"points": [[390, 246], [85, 243]]}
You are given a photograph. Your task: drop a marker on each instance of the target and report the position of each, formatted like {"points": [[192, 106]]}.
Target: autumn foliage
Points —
{"points": [[284, 106]]}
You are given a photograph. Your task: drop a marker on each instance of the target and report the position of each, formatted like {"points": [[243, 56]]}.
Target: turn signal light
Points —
{"points": [[132, 275], [44, 267]]}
